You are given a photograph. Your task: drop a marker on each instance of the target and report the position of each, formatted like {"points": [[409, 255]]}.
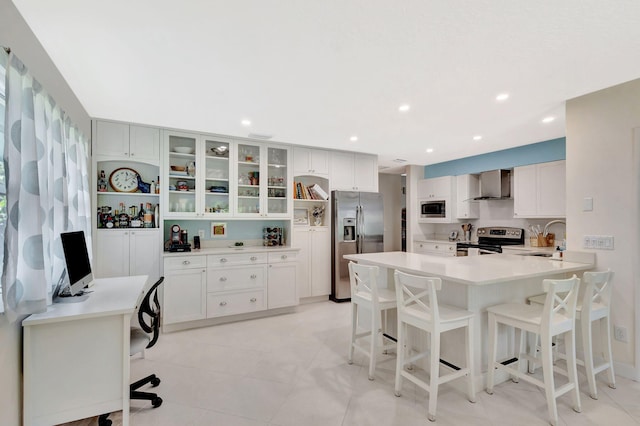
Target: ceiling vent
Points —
{"points": [[399, 160], [262, 136]]}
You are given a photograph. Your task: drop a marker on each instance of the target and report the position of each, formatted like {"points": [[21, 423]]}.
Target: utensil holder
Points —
{"points": [[542, 241]]}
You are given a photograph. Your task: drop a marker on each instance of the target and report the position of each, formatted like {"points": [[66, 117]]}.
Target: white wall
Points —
{"points": [[15, 34], [390, 186], [600, 164]]}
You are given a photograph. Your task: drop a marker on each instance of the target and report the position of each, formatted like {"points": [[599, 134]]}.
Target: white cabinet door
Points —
{"points": [[184, 295], [365, 169], [112, 139], [320, 262], [440, 187], [144, 143], [341, 167], [301, 240], [467, 187], [540, 190], [281, 285], [144, 253], [552, 189], [308, 161], [131, 142], [112, 253]]}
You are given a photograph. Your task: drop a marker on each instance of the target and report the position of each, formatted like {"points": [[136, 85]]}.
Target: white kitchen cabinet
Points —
{"points": [[121, 252], [281, 280], [184, 289], [437, 248], [127, 141], [467, 188], [309, 161], [540, 190], [437, 188], [314, 260], [353, 172]]}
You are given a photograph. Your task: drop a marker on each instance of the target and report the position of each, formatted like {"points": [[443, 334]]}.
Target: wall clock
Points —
{"points": [[124, 179]]}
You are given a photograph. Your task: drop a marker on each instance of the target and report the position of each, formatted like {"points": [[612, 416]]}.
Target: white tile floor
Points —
{"points": [[292, 370]]}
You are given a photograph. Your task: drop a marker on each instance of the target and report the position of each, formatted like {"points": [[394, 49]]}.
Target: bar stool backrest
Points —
{"points": [[597, 292], [417, 294], [364, 282], [559, 312]]}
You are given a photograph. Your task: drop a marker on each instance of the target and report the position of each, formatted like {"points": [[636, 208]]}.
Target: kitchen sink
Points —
{"points": [[538, 254]]}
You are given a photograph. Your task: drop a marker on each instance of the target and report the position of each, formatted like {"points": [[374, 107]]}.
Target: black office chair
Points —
{"points": [[145, 337], [142, 338]]}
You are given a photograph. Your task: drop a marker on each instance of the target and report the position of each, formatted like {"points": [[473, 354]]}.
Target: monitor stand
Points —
{"points": [[66, 297]]}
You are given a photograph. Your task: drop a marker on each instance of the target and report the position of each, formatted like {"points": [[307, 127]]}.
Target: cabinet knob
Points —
{"points": [[253, 299], [186, 262], [223, 279], [131, 154], [223, 260], [254, 258], [223, 303], [254, 276], [284, 256]]}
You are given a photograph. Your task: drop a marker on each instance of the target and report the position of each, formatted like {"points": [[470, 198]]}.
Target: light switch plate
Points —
{"points": [[587, 204]]}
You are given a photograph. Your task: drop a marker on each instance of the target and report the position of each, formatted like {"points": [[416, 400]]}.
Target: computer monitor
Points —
{"points": [[77, 259]]}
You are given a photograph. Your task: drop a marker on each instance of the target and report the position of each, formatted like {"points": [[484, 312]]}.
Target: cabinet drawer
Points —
{"points": [[216, 260], [184, 262], [234, 303], [282, 256], [221, 279]]}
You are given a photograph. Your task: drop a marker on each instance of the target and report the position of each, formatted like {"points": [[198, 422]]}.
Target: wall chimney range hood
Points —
{"points": [[495, 185]]}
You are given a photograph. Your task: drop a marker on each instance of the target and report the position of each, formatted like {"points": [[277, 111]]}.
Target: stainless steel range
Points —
{"points": [[491, 240]]}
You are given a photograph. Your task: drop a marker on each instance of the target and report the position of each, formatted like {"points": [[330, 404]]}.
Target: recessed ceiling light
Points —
{"points": [[246, 123], [477, 138], [548, 119], [429, 150], [353, 138], [404, 108], [502, 97]]}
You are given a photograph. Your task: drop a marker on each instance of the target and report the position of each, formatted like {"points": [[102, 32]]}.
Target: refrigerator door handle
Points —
{"points": [[361, 230], [358, 250]]}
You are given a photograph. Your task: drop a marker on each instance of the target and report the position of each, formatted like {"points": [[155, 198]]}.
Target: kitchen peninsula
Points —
{"points": [[475, 283]]}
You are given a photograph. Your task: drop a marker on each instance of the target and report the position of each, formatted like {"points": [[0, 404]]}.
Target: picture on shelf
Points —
{"points": [[218, 230], [300, 217]]}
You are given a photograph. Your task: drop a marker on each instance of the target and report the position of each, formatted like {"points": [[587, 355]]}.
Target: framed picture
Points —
{"points": [[218, 230], [300, 216]]}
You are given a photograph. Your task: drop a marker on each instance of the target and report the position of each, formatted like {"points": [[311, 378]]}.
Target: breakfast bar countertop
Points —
{"points": [[472, 270]]}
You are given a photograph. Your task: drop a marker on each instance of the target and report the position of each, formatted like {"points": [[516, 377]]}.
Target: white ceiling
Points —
{"points": [[317, 72]]}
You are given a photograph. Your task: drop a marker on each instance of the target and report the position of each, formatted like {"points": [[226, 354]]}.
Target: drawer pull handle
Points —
{"points": [[223, 260], [254, 258], [254, 276], [223, 303], [284, 256], [223, 279], [253, 299], [186, 262]]}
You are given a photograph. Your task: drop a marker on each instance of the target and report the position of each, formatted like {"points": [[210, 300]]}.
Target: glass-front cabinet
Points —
{"points": [[211, 176], [263, 176]]}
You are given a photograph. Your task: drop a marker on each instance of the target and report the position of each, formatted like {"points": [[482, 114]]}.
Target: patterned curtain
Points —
{"points": [[46, 163]]}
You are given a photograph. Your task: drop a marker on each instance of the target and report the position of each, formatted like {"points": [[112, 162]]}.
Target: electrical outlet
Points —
{"points": [[201, 234], [620, 333]]}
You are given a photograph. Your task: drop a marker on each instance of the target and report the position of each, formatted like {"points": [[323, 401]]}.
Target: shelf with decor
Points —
{"points": [[311, 194]]}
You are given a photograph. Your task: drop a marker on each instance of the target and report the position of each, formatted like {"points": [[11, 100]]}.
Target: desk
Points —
{"points": [[475, 283], [76, 355]]}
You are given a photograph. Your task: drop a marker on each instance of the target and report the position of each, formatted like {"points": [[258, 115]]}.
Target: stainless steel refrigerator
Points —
{"points": [[357, 226]]}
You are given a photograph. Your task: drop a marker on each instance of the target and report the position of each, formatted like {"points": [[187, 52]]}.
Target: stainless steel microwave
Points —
{"points": [[433, 209]]}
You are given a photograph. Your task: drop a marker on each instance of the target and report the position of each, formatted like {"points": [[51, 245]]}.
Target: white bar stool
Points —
{"points": [[366, 294], [556, 317], [418, 307], [594, 306]]}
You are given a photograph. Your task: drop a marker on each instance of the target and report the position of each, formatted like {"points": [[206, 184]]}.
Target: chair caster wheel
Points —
{"points": [[155, 382], [156, 402]]}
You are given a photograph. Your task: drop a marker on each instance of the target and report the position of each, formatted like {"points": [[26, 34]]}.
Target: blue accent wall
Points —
{"points": [[541, 152]]}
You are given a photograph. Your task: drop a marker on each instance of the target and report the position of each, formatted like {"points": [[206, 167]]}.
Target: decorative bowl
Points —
{"points": [[184, 149], [178, 168]]}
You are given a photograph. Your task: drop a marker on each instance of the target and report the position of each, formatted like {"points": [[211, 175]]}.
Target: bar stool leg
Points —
{"points": [[373, 345], [605, 326], [587, 349], [402, 329], [493, 325], [547, 372], [354, 326], [434, 375], [570, 343], [471, 383]]}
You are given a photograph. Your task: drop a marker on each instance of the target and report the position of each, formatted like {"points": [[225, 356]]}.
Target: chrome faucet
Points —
{"points": [[546, 227]]}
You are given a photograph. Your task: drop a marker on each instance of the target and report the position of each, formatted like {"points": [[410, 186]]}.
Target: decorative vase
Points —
{"points": [[317, 221]]}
